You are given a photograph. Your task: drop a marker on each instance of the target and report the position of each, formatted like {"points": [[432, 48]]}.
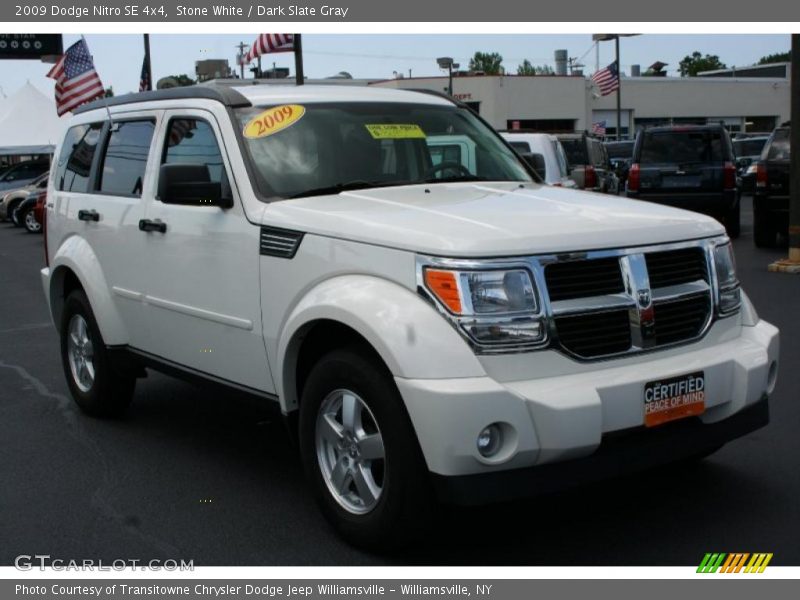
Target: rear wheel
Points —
{"points": [[733, 221], [764, 233], [28, 219], [360, 452], [96, 386]]}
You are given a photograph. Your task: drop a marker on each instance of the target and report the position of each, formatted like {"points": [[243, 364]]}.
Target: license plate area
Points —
{"points": [[681, 181], [674, 398]]}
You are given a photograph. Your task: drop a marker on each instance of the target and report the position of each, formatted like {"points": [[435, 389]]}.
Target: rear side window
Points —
{"points": [[779, 148], [523, 147], [125, 158], [192, 142], [576, 151], [75, 160], [681, 147], [563, 169]]}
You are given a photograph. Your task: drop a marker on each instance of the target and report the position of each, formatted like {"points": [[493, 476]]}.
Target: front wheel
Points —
{"points": [[360, 452], [96, 387]]}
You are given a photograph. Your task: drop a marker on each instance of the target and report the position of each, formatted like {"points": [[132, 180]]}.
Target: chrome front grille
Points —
{"points": [[610, 303]]}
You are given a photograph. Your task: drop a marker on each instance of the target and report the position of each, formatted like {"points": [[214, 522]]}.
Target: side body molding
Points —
{"points": [[408, 333]]}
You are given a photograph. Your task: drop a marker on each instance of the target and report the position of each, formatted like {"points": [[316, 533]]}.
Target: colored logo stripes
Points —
{"points": [[735, 562]]}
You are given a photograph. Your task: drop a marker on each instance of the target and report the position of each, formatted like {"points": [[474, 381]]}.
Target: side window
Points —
{"points": [[192, 142], [75, 160], [126, 158]]}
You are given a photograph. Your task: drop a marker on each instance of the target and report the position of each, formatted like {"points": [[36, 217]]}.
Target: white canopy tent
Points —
{"points": [[28, 123]]}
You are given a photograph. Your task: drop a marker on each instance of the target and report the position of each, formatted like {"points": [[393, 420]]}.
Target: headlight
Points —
{"points": [[728, 284], [494, 308], [752, 169]]}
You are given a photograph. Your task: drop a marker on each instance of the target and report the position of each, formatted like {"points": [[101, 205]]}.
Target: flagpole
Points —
{"points": [[619, 93], [147, 61], [298, 60]]}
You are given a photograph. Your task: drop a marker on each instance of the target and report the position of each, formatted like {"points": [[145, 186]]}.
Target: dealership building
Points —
{"points": [[753, 99]]}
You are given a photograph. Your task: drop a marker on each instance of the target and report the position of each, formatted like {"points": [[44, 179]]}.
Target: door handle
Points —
{"points": [[88, 215], [152, 225]]}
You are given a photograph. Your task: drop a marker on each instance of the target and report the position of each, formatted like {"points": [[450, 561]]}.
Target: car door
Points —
{"points": [[203, 292], [98, 188]]}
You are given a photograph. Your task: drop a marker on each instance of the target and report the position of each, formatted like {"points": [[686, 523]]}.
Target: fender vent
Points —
{"points": [[282, 243]]}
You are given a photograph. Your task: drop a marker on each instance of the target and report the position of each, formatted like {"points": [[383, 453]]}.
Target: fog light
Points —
{"points": [[489, 440]]}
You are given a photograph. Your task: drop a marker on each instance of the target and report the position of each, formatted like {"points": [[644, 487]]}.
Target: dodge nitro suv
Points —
{"points": [[432, 331]]}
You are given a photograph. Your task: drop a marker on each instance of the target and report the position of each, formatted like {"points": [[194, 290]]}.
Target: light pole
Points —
{"points": [[603, 37], [446, 62]]}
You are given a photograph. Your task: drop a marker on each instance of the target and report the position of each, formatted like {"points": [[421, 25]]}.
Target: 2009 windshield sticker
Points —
{"points": [[395, 131], [273, 120]]}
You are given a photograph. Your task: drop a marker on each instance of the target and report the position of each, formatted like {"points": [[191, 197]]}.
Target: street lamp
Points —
{"points": [[446, 62]]}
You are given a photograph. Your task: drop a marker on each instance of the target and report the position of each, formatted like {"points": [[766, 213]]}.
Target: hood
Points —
{"points": [[494, 219]]}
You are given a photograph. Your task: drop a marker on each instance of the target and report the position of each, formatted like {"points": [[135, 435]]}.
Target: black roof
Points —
{"points": [[685, 127], [225, 95]]}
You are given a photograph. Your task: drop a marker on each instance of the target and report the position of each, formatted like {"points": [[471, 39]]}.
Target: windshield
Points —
{"points": [[619, 149], [576, 151], [748, 147], [327, 148], [779, 147]]}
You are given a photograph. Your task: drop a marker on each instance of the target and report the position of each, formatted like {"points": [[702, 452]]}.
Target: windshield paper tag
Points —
{"points": [[395, 131], [273, 120]]}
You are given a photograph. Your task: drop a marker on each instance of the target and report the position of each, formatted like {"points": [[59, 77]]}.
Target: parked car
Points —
{"points": [[31, 212], [688, 166], [620, 155], [20, 175], [464, 339], [748, 151], [588, 160], [771, 199], [556, 168], [11, 200]]}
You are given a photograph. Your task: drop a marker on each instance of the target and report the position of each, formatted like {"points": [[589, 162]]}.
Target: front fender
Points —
{"points": [[408, 333], [76, 255]]}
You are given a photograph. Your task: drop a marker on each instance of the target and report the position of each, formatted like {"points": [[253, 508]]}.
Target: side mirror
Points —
{"points": [[536, 161], [190, 185]]}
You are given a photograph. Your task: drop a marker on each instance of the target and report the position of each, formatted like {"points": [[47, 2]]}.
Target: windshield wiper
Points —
{"points": [[453, 178], [358, 184]]}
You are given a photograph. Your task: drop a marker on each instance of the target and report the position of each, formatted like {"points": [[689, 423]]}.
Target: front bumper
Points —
{"points": [[619, 454], [570, 412]]}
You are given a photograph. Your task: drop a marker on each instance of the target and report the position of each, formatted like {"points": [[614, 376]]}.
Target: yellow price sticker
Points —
{"points": [[395, 131], [273, 120]]}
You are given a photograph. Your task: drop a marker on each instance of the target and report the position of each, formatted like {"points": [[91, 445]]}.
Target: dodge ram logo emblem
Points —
{"points": [[644, 298]]}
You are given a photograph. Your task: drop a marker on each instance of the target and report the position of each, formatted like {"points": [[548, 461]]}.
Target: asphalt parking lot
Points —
{"points": [[192, 474]]}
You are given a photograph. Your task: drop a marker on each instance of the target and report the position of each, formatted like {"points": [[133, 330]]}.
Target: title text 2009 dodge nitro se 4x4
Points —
{"points": [[431, 328]]}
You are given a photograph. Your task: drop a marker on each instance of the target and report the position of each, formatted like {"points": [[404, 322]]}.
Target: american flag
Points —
{"points": [[607, 79], [599, 128], [145, 85], [269, 42], [77, 81]]}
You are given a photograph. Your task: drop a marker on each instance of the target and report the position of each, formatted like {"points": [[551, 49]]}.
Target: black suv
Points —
{"points": [[691, 167], [771, 200]]}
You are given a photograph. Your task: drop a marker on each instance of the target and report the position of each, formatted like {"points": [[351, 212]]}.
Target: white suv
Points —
{"points": [[430, 330]]}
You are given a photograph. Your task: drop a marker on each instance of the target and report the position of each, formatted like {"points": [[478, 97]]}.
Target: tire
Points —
{"points": [[764, 233], [28, 220], [397, 506], [99, 390], [733, 221], [12, 213]]}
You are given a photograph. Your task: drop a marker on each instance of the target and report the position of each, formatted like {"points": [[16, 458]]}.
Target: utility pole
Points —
{"points": [[241, 48], [792, 263]]}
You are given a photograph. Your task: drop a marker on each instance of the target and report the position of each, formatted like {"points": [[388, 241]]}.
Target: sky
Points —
{"points": [[118, 57]]}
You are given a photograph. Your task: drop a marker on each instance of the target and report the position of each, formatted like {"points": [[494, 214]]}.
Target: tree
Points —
{"points": [[526, 68], [183, 80], [778, 57], [490, 63], [690, 66]]}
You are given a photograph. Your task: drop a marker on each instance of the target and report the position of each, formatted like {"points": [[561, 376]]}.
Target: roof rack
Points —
{"points": [[225, 95]]}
